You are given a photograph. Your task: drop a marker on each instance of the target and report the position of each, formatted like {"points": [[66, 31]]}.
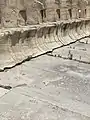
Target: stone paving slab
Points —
{"points": [[46, 88], [3, 92], [30, 106]]}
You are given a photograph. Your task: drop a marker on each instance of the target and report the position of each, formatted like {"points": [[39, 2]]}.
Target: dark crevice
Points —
{"points": [[43, 14], [71, 56], [7, 68], [20, 85], [58, 13], [6, 87], [70, 13], [71, 42], [27, 59], [23, 15]]}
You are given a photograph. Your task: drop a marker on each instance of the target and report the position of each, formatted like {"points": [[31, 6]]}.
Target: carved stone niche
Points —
{"points": [[22, 17]]}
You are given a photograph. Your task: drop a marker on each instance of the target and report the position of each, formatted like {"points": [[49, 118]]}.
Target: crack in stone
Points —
{"points": [[7, 68], [20, 85], [48, 52], [25, 60], [6, 87], [71, 43]]}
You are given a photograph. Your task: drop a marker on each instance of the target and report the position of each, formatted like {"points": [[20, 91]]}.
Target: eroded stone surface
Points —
{"points": [[23, 12], [47, 88]]}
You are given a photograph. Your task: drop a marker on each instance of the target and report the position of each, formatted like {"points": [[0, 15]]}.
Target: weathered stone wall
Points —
{"points": [[10, 12], [29, 12]]}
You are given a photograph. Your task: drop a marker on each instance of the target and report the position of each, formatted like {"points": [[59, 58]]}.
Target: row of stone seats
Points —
{"points": [[18, 44]]}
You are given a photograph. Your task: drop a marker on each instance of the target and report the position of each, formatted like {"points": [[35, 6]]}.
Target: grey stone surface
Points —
{"points": [[47, 88], [55, 86], [3, 92]]}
